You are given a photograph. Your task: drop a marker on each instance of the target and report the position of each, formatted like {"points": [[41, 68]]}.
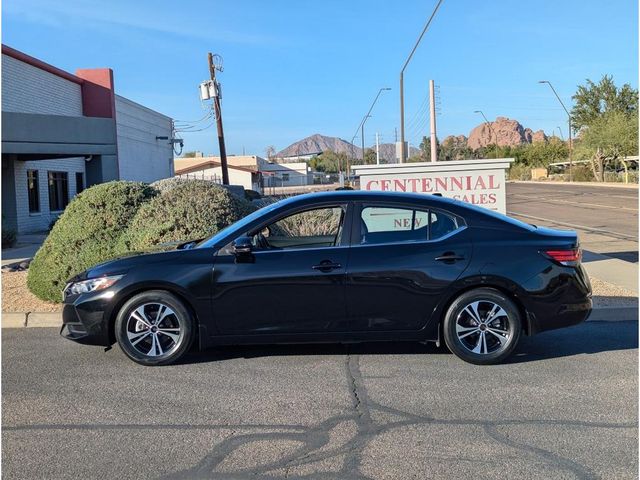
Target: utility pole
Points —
{"points": [[377, 149], [218, 113], [432, 99], [362, 135], [424, 30]]}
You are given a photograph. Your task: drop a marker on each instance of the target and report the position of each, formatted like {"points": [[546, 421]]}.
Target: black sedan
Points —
{"points": [[346, 266]]}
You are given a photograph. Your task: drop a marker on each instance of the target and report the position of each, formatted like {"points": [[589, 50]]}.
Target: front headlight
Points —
{"points": [[91, 285]]}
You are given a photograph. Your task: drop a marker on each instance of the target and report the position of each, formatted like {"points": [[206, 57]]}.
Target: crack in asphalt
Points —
{"points": [[315, 438]]}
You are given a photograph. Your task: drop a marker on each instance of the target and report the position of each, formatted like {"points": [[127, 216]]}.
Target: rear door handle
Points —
{"points": [[449, 257], [327, 266]]}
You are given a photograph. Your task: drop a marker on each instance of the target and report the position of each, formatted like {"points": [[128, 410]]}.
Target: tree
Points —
{"points": [[270, 151], [425, 149], [369, 156], [594, 101], [607, 139], [329, 162], [189, 154]]}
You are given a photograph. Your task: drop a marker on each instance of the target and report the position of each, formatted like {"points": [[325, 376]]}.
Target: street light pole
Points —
{"points": [[570, 136], [364, 120], [491, 132], [424, 30]]}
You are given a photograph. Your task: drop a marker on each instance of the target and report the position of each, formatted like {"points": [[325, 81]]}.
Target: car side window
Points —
{"points": [[387, 225], [390, 225], [320, 227]]}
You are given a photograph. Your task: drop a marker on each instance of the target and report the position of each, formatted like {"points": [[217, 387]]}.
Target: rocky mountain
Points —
{"points": [[503, 131], [455, 141], [317, 143]]}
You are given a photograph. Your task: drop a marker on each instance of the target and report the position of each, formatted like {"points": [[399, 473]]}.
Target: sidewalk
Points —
{"points": [[24, 249], [611, 270]]}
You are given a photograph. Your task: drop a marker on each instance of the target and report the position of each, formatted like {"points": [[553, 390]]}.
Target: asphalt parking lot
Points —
{"points": [[564, 407], [606, 218]]}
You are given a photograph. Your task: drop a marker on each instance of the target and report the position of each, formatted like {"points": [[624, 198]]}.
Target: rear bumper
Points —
{"points": [[564, 301], [566, 315]]}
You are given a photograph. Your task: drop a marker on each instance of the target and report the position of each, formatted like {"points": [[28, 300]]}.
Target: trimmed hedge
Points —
{"points": [[185, 210], [87, 233], [115, 218]]}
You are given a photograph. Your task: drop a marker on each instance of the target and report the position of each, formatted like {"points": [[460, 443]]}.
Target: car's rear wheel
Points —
{"points": [[482, 326], [154, 328]]}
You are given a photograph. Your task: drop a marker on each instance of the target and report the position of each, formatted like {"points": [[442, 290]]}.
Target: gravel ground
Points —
{"points": [[16, 297], [609, 295]]}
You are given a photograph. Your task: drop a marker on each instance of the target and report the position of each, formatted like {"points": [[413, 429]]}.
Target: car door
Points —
{"points": [[402, 260], [292, 281]]}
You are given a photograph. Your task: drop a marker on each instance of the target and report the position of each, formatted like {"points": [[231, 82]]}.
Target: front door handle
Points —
{"points": [[449, 257], [326, 266]]}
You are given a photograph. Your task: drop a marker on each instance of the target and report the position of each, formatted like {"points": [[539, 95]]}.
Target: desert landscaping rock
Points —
{"points": [[16, 297]]}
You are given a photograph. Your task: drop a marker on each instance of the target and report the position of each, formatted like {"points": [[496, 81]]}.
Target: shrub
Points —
{"points": [[581, 173], [518, 171], [87, 233], [185, 210]]}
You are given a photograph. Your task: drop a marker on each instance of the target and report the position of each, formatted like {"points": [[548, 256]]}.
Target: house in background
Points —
{"points": [[63, 132], [250, 171]]}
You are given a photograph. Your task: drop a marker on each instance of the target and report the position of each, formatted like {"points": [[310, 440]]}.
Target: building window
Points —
{"points": [[34, 191], [58, 191], [285, 177], [79, 182]]}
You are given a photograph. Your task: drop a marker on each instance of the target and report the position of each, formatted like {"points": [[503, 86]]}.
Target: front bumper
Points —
{"points": [[85, 319]]}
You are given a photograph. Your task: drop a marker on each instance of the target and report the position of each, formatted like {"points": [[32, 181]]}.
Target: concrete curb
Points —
{"points": [[613, 314], [36, 319], [31, 319], [14, 320]]}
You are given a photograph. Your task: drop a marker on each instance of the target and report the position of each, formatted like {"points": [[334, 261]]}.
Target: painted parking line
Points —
{"points": [[621, 236], [581, 204]]}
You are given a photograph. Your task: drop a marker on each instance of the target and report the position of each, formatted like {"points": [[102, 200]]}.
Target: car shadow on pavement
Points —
{"points": [[586, 338]]}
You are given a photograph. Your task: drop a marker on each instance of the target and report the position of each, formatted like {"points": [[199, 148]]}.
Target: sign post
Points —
{"points": [[480, 182]]}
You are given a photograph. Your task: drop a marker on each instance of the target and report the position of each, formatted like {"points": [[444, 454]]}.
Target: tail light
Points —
{"points": [[569, 257]]}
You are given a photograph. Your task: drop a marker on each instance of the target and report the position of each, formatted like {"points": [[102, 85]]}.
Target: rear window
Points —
{"points": [[500, 217]]}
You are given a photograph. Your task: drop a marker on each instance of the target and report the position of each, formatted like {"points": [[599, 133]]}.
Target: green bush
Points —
{"points": [[519, 171], [582, 173], [87, 233], [185, 210]]}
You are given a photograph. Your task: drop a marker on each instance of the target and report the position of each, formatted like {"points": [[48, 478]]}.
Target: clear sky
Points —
{"points": [[294, 68]]}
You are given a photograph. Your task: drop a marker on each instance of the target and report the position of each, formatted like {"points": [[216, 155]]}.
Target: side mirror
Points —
{"points": [[242, 247]]}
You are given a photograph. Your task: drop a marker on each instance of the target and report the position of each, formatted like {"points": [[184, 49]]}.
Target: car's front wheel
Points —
{"points": [[154, 328], [482, 326]]}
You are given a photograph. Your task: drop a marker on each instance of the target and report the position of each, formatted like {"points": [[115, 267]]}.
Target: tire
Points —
{"points": [[477, 336], [154, 328]]}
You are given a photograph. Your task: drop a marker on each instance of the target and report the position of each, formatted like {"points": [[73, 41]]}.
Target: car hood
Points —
{"points": [[122, 263]]}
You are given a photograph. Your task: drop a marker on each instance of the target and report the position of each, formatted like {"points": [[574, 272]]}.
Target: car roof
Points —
{"points": [[365, 195]]}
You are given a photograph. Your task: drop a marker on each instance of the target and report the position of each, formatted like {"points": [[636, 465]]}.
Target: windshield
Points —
{"points": [[239, 226]]}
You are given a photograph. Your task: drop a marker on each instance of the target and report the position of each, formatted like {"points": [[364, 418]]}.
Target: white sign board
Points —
{"points": [[480, 182]]}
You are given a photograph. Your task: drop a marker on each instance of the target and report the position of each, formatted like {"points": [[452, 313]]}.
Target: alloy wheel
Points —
{"points": [[483, 327], [154, 329]]}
